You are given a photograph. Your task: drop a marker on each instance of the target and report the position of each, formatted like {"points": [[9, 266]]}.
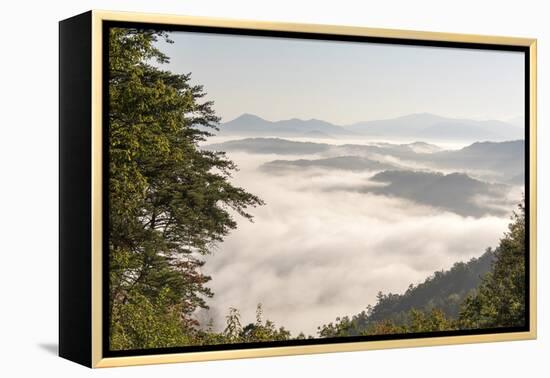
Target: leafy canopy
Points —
{"points": [[169, 201], [500, 299]]}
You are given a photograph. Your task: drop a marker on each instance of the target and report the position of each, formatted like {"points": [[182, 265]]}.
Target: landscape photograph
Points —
{"points": [[288, 190]]}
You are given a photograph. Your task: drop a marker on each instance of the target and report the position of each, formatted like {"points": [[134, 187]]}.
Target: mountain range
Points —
{"points": [[472, 181], [426, 125], [344, 163], [502, 162], [252, 125], [418, 126]]}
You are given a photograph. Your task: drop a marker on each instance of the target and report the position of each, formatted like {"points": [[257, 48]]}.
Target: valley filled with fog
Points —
{"points": [[346, 217]]}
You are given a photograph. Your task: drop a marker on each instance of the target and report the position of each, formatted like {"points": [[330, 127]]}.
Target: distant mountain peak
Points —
{"points": [[251, 125], [248, 116]]}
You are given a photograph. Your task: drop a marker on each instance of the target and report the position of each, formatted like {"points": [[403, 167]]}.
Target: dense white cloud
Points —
{"points": [[311, 255]]}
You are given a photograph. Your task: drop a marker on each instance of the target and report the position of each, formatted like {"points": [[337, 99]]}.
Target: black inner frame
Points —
{"points": [[107, 352]]}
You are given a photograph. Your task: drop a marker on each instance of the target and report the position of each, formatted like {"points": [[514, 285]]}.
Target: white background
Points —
{"points": [[28, 158]]}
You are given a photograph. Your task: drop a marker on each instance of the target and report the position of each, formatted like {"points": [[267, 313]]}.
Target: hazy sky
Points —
{"points": [[345, 82]]}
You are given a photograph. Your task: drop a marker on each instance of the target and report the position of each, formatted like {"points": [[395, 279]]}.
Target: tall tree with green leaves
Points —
{"points": [[169, 201], [263, 330], [500, 299]]}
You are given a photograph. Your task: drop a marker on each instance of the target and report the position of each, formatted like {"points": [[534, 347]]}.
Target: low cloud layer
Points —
{"points": [[311, 255]]}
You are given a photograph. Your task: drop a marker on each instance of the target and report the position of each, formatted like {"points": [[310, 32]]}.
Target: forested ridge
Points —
{"points": [[171, 203], [486, 292], [444, 291]]}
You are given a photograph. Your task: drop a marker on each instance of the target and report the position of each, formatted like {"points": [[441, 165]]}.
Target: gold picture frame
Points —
{"points": [[89, 328]]}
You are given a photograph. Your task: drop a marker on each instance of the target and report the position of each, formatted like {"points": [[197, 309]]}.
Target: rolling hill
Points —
{"points": [[345, 163], [456, 192], [502, 162]]}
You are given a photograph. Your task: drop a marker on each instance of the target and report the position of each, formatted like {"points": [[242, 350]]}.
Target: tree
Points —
{"points": [[384, 327], [429, 321], [233, 328], [259, 331], [343, 326], [263, 331], [169, 201], [143, 321], [500, 299]]}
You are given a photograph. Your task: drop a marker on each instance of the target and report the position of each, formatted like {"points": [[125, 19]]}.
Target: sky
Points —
{"points": [[347, 82]]}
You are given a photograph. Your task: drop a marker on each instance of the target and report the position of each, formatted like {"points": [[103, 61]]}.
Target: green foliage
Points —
{"points": [[500, 299], [343, 326], [444, 291], [413, 321], [142, 323], [263, 330], [234, 332], [233, 328], [253, 332], [169, 201], [384, 327], [487, 292], [429, 321], [416, 321]]}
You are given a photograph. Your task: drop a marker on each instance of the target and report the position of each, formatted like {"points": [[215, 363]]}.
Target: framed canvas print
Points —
{"points": [[235, 189]]}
